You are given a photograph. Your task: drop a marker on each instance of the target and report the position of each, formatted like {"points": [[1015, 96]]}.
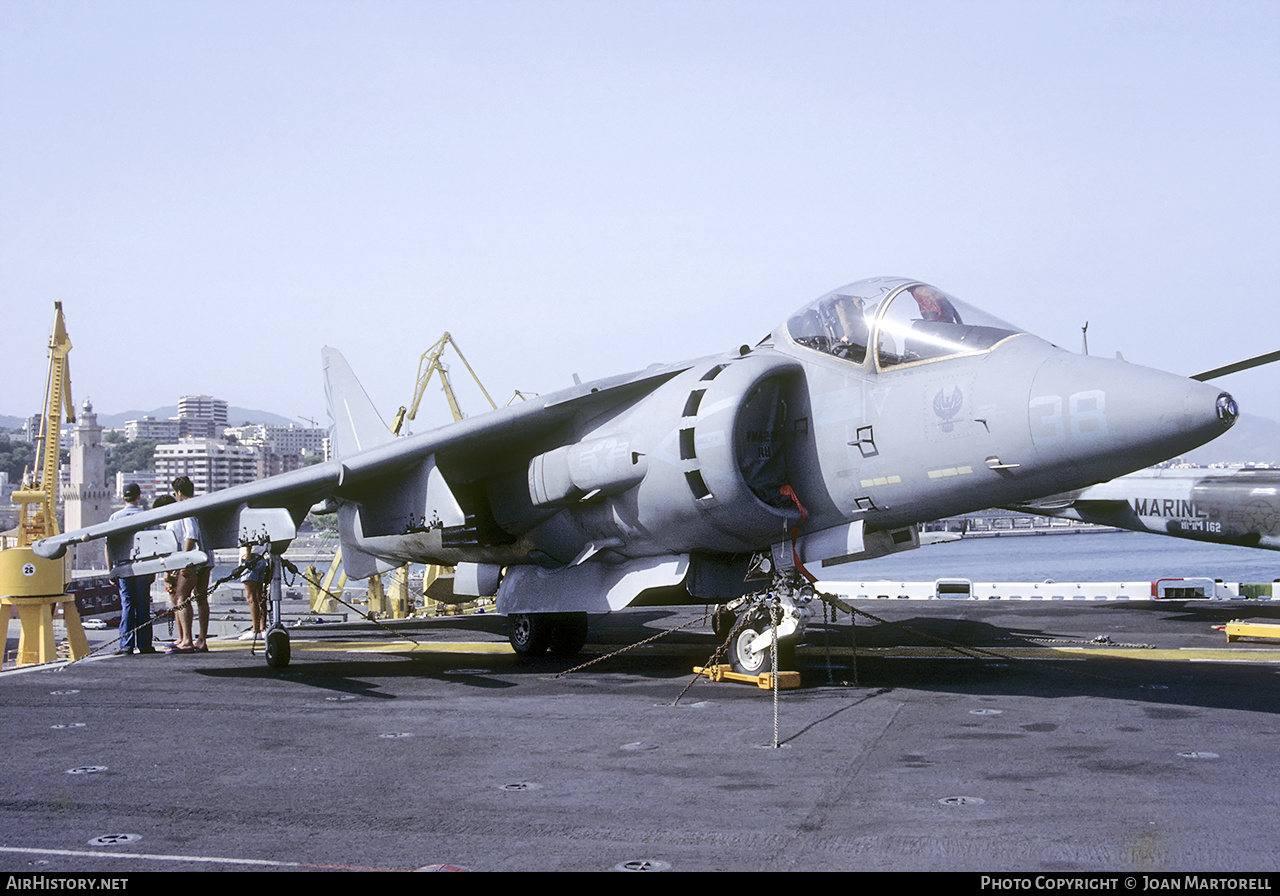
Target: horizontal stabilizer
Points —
{"points": [[1248, 364]]}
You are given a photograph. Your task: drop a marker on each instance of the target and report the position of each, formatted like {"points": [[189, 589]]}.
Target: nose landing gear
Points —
{"points": [[759, 624], [751, 649]]}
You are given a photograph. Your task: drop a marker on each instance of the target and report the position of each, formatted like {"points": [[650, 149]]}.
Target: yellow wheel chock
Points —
{"points": [[786, 680], [1241, 628]]}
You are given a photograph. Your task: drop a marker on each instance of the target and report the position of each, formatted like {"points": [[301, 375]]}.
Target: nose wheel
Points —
{"points": [[748, 656]]}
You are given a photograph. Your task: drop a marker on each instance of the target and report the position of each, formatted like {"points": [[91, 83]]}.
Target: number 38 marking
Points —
{"points": [[1085, 417]]}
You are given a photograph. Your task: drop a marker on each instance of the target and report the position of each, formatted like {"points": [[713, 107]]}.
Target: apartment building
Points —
{"points": [[211, 464]]}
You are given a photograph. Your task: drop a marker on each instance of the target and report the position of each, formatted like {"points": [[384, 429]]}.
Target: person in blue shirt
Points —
{"points": [[135, 592]]}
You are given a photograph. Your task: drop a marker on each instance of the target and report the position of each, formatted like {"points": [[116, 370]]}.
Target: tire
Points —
{"points": [[277, 643], [746, 663], [530, 633], [568, 633], [722, 621]]}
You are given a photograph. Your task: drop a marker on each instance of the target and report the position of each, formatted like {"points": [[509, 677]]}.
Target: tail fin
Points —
{"points": [[357, 425]]}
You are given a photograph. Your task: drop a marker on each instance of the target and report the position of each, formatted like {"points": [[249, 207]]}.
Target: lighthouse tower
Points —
{"points": [[88, 500]]}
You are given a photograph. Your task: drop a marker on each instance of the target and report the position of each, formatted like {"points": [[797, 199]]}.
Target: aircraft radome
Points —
{"points": [[732, 478]]}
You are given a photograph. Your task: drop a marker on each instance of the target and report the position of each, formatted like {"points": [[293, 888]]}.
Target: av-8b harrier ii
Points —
{"points": [[736, 478]]}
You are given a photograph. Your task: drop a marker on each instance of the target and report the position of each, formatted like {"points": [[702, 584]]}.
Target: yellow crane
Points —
{"points": [[428, 365], [32, 584]]}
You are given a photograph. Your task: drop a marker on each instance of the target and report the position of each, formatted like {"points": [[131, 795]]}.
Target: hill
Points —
{"points": [[235, 417]]}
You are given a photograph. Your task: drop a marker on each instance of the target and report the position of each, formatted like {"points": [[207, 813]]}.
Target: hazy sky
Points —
{"points": [[215, 190]]}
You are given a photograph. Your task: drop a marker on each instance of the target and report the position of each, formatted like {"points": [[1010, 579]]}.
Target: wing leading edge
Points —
{"points": [[370, 462]]}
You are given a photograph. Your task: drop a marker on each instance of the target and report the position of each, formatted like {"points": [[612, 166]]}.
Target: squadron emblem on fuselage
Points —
{"points": [[946, 406]]}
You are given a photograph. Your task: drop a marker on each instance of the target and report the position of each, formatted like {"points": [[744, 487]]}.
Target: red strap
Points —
{"points": [[795, 533]]}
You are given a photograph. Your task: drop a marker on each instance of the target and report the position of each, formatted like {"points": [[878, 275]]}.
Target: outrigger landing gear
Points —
{"points": [[533, 634], [277, 639]]}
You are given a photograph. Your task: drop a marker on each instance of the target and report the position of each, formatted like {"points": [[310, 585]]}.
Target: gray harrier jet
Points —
{"points": [[735, 479]]}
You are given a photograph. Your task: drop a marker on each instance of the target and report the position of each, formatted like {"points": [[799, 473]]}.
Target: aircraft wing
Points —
{"points": [[473, 447], [295, 492], [465, 450]]}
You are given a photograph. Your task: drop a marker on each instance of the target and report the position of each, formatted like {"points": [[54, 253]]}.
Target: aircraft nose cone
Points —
{"points": [[1107, 417]]}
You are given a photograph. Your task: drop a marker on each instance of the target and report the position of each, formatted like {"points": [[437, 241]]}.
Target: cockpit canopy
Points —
{"points": [[898, 321]]}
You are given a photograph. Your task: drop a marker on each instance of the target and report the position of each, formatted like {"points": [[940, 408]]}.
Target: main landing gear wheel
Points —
{"points": [[277, 642], [568, 634], [533, 634], [530, 633], [746, 662]]}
